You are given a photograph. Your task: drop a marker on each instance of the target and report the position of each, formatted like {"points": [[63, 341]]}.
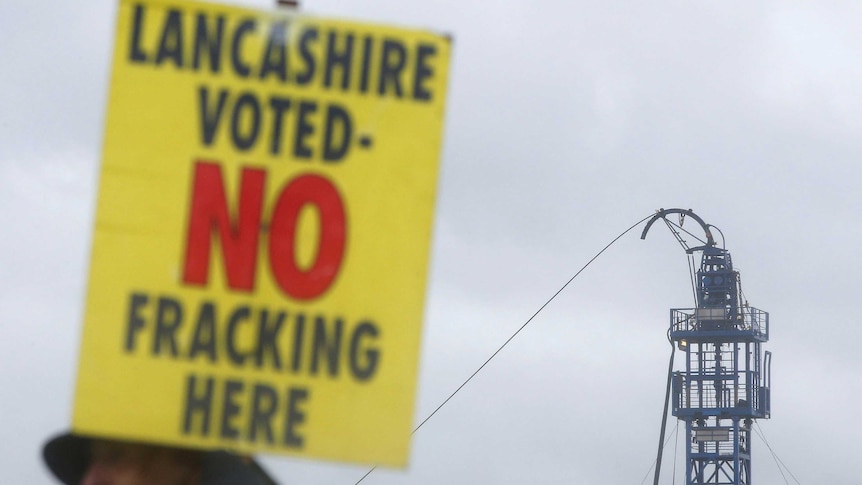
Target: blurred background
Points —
{"points": [[566, 122]]}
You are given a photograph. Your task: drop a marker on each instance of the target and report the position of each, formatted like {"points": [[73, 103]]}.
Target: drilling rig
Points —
{"points": [[726, 383]]}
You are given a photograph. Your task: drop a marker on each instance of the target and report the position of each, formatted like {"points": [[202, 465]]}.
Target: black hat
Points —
{"points": [[68, 456]]}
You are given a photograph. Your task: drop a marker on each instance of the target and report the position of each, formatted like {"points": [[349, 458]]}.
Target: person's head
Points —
{"points": [[121, 463], [77, 460]]}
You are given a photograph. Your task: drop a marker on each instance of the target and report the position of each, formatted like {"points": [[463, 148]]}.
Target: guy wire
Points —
{"points": [[778, 462], [518, 331]]}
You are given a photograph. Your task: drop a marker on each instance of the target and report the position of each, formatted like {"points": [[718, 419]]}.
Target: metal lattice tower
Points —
{"points": [[726, 382]]}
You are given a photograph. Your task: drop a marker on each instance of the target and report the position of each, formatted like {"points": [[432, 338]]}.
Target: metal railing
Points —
{"points": [[714, 392], [748, 320]]}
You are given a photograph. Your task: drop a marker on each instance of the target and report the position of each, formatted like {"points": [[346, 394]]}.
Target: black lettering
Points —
{"points": [[294, 417], [263, 408], [423, 71], [168, 320], [244, 141], [230, 409], [209, 117], [304, 129], [267, 338], [364, 359], [275, 57], [308, 37], [391, 64], [279, 107], [326, 345], [135, 322], [198, 405], [135, 52], [337, 119], [298, 331], [204, 339], [238, 316], [367, 44], [336, 59], [207, 43], [240, 67], [171, 44]]}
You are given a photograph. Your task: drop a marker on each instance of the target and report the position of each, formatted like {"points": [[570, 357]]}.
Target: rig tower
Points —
{"points": [[726, 382]]}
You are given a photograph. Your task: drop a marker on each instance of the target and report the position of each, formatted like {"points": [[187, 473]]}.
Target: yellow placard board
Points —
{"points": [[262, 232]]}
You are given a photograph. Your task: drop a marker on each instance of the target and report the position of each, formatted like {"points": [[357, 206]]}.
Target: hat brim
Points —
{"points": [[67, 456]]}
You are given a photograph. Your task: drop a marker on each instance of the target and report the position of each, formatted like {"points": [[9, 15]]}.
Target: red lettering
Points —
{"points": [[238, 238], [239, 233], [310, 283]]}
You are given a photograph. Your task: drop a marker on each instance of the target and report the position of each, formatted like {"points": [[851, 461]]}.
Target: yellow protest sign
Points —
{"points": [[262, 232]]}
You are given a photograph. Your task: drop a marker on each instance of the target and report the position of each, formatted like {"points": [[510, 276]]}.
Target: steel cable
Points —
{"points": [[518, 331], [778, 462]]}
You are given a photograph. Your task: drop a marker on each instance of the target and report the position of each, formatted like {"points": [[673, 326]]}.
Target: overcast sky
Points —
{"points": [[566, 122]]}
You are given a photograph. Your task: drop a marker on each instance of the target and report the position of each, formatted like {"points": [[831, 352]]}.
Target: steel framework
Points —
{"points": [[726, 382]]}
